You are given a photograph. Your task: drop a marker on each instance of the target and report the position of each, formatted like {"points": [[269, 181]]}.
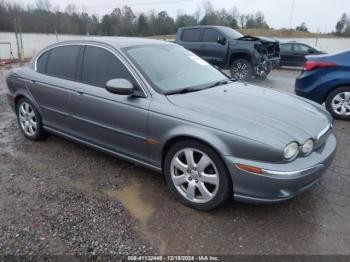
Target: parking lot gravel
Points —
{"points": [[58, 197]]}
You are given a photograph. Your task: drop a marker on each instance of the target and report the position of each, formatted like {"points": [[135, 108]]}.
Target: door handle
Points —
{"points": [[32, 81], [80, 92]]}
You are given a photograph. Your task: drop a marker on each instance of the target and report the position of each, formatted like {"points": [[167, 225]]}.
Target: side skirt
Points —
{"points": [[127, 158]]}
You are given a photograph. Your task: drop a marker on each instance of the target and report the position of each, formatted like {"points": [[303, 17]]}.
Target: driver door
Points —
{"points": [[115, 122], [212, 51]]}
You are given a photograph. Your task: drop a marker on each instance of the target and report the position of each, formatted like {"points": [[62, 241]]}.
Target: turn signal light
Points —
{"points": [[251, 169]]}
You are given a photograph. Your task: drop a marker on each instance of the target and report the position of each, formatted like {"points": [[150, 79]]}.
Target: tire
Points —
{"points": [[206, 186], [338, 103], [241, 69], [29, 120]]}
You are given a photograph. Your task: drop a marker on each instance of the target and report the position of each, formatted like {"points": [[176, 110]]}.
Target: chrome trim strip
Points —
{"points": [[296, 173], [128, 158], [323, 132], [95, 45]]}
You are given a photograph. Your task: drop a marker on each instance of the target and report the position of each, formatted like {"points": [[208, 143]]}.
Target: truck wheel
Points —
{"points": [[241, 69]]}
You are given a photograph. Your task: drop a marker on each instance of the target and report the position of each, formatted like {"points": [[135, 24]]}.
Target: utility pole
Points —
{"points": [[20, 38], [291, 15], [17, 42]]}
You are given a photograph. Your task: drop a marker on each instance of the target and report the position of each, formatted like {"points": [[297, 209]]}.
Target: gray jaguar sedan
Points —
{"points": [[160, 106]]}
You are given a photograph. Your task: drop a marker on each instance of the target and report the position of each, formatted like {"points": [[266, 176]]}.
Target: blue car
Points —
{"points": [[326, 79]]}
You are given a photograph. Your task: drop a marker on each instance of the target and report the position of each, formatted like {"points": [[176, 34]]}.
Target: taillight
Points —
{"points": [[312, 65]]}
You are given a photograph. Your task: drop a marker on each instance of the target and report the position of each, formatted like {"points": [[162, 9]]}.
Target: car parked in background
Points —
{"points": [[162, 107], [294, 53], [326, 79], [244, 56]]}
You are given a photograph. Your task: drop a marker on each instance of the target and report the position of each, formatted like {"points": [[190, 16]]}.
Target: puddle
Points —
{"points": [[130, 197]]}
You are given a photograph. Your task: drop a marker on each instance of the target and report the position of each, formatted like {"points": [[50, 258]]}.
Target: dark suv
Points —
{"points": [[245, 56]]}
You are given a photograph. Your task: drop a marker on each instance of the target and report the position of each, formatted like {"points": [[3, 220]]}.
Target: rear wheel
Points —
{"points": [[241, 69], [29, 120], [338, 103], [196, 175]]}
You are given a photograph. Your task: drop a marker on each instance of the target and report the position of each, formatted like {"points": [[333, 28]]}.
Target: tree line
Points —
{"points": [[43, 18], [343, 26]]}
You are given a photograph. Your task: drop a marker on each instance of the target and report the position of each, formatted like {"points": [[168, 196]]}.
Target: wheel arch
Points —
{"points": [[181, 137], [330, 90], [240, 55]]}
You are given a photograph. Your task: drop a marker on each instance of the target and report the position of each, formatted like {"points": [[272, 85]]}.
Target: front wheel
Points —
{"points": [[241, 69], [196, 175], [338, 103]]}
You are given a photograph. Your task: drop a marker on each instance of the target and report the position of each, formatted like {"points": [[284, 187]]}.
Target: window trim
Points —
{"points": [[113, 52]]}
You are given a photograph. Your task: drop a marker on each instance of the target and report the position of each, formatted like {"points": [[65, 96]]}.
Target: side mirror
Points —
{"points": [[221, 40], [120, 86], [311, 51]]}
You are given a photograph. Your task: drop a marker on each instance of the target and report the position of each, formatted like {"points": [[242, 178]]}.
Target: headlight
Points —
{"points": [[308, 147], [291, 150]]}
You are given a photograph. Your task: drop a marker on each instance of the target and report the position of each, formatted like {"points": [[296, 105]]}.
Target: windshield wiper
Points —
{"points": [[218, 83], [183, 91]]}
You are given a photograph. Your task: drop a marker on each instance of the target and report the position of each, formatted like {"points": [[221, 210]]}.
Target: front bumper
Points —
{"points": [[280, 182]]}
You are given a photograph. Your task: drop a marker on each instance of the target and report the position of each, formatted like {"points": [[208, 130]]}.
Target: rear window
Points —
{"points": [[62, 61], [191, 35], [41, 63]]}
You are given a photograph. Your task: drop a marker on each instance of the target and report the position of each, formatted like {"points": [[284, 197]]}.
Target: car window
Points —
{"points": [[286, 47], [301, 48], [62, 61], [41, 63], [210, 35], [191, 35], [99, 66]]}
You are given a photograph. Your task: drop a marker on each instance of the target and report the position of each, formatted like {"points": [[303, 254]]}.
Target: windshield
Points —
{"points": [[171, 68], [230, 33]]}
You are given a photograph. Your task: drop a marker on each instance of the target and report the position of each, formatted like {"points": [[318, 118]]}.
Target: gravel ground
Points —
{"points": [[58, 197], [44, 209]]}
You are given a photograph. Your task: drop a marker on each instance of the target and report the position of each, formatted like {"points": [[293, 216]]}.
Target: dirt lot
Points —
{"points": [[57, 197]]}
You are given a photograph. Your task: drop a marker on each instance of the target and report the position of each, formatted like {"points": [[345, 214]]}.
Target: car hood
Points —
{"points": [[253, 112]]}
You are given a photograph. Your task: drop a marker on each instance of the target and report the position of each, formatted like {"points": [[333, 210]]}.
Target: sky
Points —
{"points": [[319, 15]]}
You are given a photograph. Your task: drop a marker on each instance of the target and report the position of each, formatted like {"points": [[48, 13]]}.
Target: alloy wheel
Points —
{"points": [[194, 175], [240, 70], [341, 104], [27, 119]]}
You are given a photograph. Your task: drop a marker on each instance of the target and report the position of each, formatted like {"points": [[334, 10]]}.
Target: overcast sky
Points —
{"points": [[318, 14]]}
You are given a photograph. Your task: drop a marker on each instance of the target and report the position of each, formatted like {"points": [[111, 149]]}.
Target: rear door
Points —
{"points": [[53, 85], [287, 55], [212, 51], [300, 51], [190, 39], [115, 122]]}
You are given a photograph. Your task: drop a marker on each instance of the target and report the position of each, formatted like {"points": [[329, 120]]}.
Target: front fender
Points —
{"points": [[163, 129]]}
